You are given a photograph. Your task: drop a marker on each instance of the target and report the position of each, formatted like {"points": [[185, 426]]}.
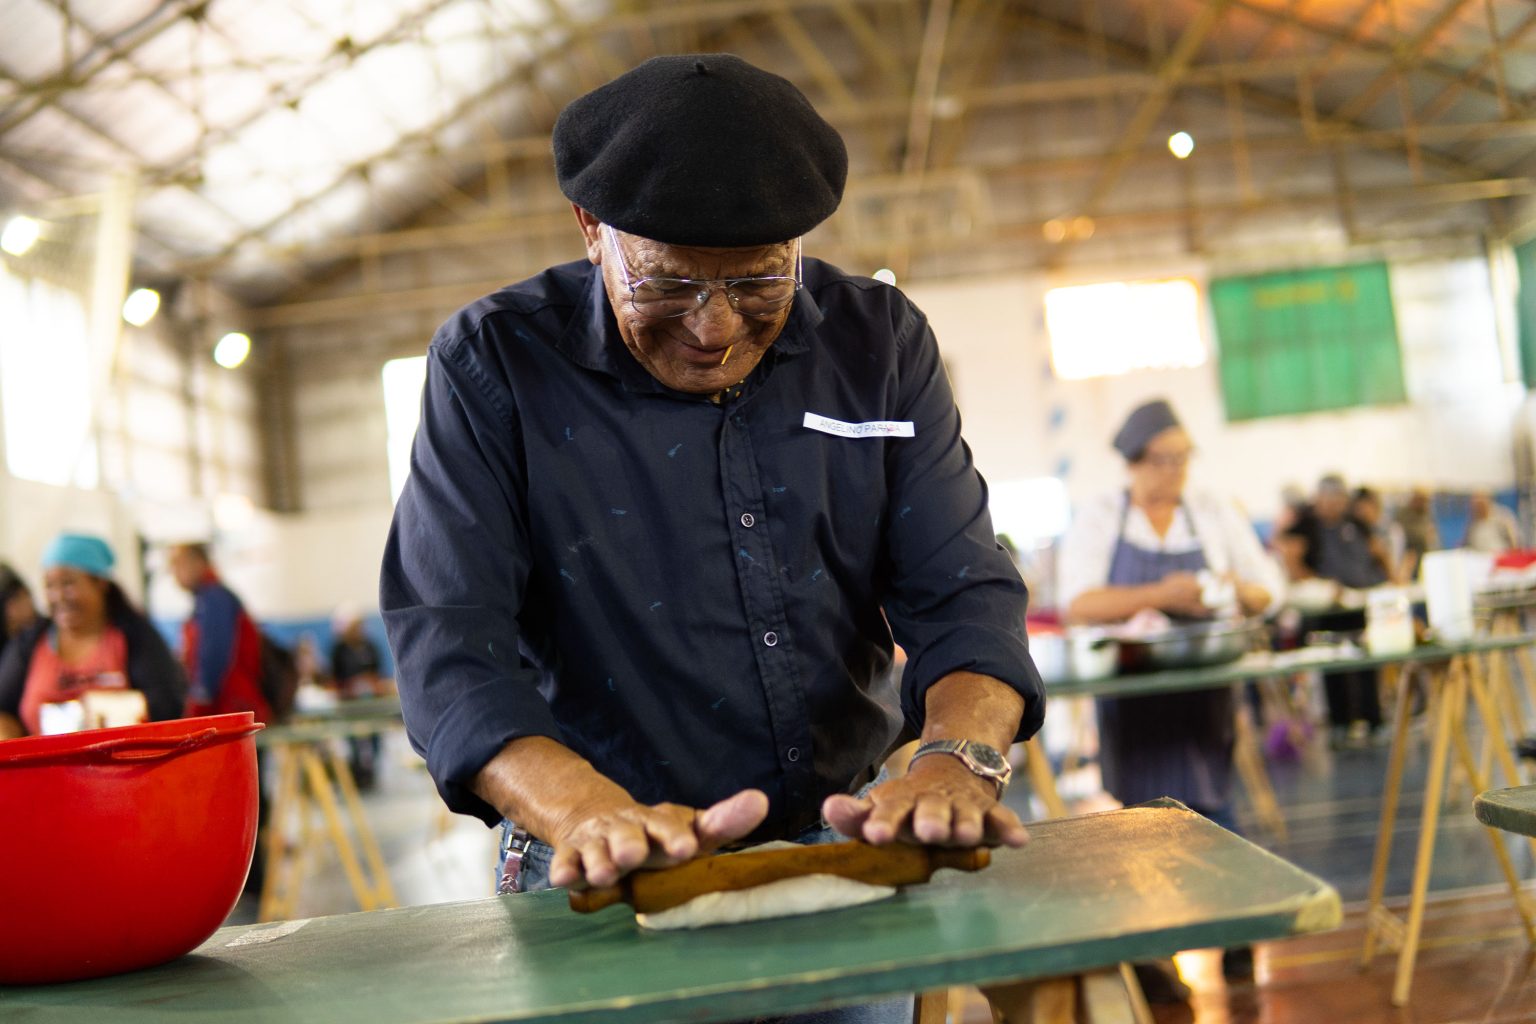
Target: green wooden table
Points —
{"points": [[318, 730], [1087, 892], [1268, 666], [1249, 760], [1513, 810]]}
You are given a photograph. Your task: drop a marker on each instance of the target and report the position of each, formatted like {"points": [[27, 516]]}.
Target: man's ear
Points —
{"points": [[591, 233]]}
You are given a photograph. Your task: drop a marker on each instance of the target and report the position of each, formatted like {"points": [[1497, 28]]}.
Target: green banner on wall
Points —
{"points": [[1307, 341], [1525, 310]]}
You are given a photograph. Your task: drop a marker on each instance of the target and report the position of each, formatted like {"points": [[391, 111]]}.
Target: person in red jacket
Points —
{"points": [[221, 646]]}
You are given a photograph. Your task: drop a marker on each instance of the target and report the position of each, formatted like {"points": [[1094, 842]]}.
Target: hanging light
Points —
{"points": [[1181, 144], [141, 306], [885, 275], [21, 233], [232, 350]]}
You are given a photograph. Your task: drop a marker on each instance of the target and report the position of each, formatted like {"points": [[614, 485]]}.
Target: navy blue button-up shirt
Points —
{"points": [[696, 597]]}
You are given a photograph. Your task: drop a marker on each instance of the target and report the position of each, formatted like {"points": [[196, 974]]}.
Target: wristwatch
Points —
{"points": [[978, 757]]}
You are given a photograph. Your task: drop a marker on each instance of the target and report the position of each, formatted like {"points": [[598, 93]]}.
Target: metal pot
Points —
{"points": [[1191, 645], [1078, 655]]}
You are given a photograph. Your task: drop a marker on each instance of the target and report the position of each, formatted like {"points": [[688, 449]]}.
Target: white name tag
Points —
{"points": [[874, 428]]}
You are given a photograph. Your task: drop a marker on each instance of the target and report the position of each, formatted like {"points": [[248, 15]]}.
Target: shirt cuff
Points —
{"points": [[985, 651], [473, 730]]}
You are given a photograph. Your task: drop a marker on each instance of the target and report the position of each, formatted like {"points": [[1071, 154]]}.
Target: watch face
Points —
{"points": [[988, 758]]}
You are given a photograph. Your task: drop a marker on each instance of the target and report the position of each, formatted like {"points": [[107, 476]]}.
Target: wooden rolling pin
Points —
{"points": [[657, 889]]}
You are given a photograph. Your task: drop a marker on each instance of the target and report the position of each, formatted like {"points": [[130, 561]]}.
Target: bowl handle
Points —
{"points": [[140, 749]]}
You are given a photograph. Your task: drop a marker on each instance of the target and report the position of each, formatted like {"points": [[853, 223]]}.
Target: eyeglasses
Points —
{"points": [[663, 297]]}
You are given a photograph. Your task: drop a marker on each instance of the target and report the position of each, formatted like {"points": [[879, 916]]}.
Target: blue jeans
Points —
{"points": [[534, 876]]}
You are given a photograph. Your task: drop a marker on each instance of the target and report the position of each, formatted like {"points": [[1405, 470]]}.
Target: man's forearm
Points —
{"points": [[970, 706], [542, 785]]}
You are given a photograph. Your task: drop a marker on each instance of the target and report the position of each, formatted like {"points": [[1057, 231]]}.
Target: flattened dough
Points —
{"points": [[787, 897]]}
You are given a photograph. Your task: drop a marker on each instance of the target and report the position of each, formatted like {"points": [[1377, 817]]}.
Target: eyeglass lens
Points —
{"points": [[662, 297], [753, 296]]}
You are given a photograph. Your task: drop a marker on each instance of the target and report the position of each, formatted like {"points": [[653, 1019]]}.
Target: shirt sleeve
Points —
{"points": [[1086, 551], [217, 614], [454, 573], [955, 601]]}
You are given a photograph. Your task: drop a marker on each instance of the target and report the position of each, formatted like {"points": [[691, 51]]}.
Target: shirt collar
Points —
{"points": [[592, 337]]}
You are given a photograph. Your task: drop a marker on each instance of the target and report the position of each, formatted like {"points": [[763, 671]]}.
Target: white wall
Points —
{"points": [[33, 514], [290, 567], [176, 434], [1455, 430]]}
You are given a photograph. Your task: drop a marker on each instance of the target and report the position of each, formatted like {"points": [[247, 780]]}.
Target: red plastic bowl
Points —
{"points": [[122, 848]]}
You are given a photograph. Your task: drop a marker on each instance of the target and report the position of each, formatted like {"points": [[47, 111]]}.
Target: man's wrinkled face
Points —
{"points": [[711, 348]]}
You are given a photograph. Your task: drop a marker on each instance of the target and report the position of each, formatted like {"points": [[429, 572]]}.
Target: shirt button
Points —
{"points": [[770, 639], [792, 754], [748, 520]]}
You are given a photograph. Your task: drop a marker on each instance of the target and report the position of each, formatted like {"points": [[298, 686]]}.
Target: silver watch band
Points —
{"points": [[961, 750]]}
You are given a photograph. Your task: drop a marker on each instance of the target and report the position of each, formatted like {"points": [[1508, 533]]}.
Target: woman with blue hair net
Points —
{"points": [[92, 640]]}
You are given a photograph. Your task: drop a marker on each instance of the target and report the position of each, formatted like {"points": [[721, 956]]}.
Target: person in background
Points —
{"points": [[1490, 526], [1420, 535], [306, 661], [314, 692], [221, 645], [1366, 509], [1330, 543], [355, 667], [221, 652], [1294, 503], [92, 639], [1154, 545], [19, 611]]}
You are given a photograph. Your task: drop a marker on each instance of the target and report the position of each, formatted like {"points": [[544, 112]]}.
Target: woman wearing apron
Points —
{"points": [[1146, 547]]}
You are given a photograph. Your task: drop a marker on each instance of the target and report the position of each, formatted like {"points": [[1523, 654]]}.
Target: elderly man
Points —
{"points": [[668, 506]]}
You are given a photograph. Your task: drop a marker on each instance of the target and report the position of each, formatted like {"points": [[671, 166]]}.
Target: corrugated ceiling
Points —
{"points": [[264, 135]]}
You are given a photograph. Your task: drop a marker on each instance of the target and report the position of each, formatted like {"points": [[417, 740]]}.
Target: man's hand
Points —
{"points": [[601, 846], [598, 831], [939, 802]]}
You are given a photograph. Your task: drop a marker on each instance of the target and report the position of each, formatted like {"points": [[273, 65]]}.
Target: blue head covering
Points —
{"points": [[1144, 423], [80, 551]]}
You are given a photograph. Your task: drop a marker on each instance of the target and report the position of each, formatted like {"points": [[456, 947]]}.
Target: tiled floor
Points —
{"points": [[1475, 967]]}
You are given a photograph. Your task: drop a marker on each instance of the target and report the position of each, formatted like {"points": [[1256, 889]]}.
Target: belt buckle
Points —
{"points": [[514, 847]]}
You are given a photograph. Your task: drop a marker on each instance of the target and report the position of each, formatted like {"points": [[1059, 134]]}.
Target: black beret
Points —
{"points": [[700, 149], [1144, 423]]}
